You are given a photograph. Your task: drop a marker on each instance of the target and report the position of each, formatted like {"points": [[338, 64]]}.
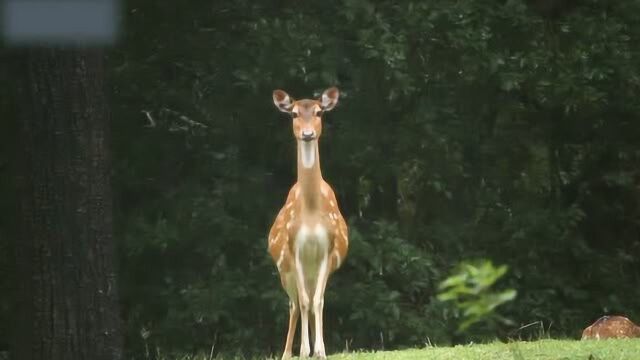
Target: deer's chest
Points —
{"points": [[311, 244]]}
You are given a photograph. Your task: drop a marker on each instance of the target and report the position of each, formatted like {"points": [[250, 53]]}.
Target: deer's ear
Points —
{"points": [[282, 100], [329, 98]]}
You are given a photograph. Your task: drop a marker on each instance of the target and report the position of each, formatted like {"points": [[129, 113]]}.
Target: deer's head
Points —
{"points": [[306, 114]]}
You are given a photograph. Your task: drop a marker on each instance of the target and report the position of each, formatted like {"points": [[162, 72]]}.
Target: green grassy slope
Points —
{"points": [[537, 350]]}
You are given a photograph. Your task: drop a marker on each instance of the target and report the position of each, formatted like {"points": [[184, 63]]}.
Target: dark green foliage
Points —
{"points": [[471, 290], [466, 129], [470, 129]]}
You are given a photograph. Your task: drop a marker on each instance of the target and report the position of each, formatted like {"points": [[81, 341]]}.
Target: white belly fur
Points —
{"points": [[312, 247]]}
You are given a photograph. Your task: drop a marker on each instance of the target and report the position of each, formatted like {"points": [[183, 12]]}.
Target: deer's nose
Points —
{"points": [[308, 134]]}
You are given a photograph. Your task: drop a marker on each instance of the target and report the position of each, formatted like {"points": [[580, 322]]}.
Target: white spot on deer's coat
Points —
{"points": [[280, 258], [338, 259]]}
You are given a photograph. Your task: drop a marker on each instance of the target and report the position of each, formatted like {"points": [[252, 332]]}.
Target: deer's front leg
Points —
{"points": [[288, 280], [318, 307], [291, 333], [303, 302]]}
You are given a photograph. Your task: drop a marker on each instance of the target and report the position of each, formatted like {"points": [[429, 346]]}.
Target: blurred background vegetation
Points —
{"points": [[506, 130]]}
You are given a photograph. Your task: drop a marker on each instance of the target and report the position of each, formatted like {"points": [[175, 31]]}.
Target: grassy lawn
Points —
{"points": [[538, 350], [624, 349]]}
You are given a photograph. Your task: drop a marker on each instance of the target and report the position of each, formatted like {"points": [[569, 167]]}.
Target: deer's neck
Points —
{"points": [[309, 174]]}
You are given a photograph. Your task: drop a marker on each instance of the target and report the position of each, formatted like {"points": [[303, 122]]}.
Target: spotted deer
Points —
{"points": [[309, 239], [611, 327]]}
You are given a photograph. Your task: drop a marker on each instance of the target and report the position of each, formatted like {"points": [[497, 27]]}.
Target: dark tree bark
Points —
{"points": [[66, 295]]}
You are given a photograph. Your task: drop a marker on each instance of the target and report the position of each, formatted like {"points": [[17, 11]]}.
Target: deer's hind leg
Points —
{"points": [[289, 284]]}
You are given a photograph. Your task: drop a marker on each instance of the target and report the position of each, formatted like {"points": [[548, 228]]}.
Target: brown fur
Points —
{"points": [[281, 237], [611, 327]]}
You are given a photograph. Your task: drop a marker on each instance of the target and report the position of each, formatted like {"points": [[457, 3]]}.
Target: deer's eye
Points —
{"points": [[294, 114], [318, 113]]}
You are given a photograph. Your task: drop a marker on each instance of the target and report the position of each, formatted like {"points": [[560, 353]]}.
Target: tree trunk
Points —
{"points": [[66, 296]]}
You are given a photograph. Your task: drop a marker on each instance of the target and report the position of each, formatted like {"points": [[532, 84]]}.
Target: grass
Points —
{"points": [[623, 349]]}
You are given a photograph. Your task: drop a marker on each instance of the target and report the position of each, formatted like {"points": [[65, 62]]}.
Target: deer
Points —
{"points": [[309, 239], [611, 327]]}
